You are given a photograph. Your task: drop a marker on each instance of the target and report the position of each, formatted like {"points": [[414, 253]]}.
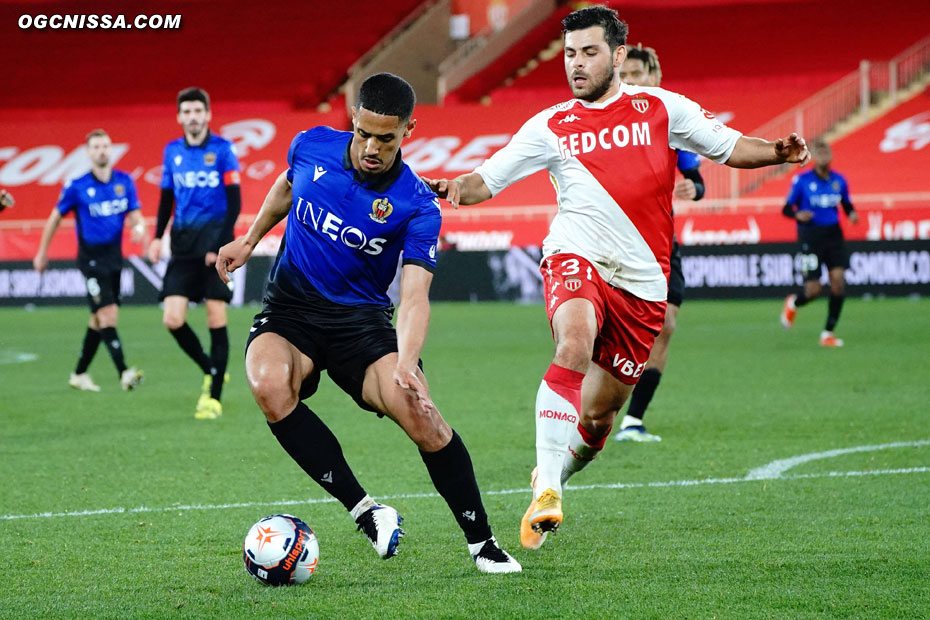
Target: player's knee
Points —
{"points": [[172, 321], [274, 394], [573, 352]]}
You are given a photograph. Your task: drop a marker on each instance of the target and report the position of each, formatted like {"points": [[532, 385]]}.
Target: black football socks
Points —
{"points": [[833, 312], [189, 343], [452, 474], [111, 341], [313, 446], [219, 357], [88, 350], [643, 392]]}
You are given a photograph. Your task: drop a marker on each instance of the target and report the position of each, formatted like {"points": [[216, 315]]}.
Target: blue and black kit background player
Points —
{"points": [[100, 210], [821, 238], [200, 185], [821, 235]]}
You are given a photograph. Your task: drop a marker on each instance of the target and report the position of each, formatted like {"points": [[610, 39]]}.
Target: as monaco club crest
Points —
{"points": [[380, 210], [573, 284], [640, 105]]}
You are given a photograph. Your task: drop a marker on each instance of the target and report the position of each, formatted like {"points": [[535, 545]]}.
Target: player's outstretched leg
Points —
{"points": [[311, 444], [450, 468], [558, 403]]}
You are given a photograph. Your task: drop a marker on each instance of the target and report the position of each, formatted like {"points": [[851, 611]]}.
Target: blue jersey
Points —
{"points": [[99, 211], [810, 192], [687, 160], [199, 176], [344, 236]]}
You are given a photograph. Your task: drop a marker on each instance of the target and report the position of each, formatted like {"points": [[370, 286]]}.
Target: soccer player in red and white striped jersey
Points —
{"points": [[611, 153]]}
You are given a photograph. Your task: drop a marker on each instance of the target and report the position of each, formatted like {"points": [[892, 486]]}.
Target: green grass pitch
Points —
{"points": [[121, 505]]}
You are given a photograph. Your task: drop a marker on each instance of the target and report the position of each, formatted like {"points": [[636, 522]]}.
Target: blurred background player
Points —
{"points": [[102, 200], [6, 200], [812, 201], [326, 307], [605, 266], [200, 183], [641, 68]]}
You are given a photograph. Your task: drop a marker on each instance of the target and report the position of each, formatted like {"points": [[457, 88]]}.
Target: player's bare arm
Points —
{"points": [[467, 189], [412, 324], [756, 152], [40, 262], [137, 226], [275, 208]]}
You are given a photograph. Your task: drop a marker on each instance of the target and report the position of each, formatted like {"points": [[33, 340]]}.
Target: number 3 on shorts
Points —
{"points": [[570, 267]]}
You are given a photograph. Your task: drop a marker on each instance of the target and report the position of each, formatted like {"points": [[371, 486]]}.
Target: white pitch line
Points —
{"points": [[777, 468], [588, 487]]}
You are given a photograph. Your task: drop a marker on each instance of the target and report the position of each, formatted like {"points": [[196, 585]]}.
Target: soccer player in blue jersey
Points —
{"points": [[101, 200], [200, 182], [352, 207], [641, 68], [813, 202]]}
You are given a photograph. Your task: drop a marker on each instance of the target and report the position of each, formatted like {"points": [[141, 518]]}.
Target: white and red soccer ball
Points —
{"points": [[281, 550]]}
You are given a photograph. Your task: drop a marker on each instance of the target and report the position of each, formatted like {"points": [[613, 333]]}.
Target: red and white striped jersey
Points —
{"points": [[613, 167]]}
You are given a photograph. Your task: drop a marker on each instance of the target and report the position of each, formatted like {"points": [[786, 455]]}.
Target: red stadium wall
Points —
{"points": [[889, 184]]}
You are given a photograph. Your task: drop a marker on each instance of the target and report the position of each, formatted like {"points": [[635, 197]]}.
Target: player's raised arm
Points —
{"points": [[467, 189], [413, 315], [756, 152], [276, 206]]}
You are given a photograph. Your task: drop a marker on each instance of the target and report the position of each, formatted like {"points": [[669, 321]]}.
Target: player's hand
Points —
{"points": [[154, 251], [137, 233], [804, 216], [40, 262], [407, 379], [6, 199], [209, 259], [233, 255], [444, 188], [854, 217], [685, 189], [792, 150]]}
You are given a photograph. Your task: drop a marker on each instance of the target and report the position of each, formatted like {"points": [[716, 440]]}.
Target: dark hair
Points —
{"points": [[648, 56], [96, 133], [387, 94], [615, 30], [194, 94]]}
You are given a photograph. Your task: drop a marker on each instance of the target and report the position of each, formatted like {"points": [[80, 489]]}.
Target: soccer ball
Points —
{"points": [[280, 550]]}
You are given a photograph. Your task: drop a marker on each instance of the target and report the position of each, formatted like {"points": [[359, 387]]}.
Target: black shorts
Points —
{"points": [[676, 277], [189, 277], [822, 245], [102, 286], [343, 340]]}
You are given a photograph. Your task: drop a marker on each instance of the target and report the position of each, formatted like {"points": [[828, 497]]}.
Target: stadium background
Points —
{"points": [[277, 68], [122, 505]]}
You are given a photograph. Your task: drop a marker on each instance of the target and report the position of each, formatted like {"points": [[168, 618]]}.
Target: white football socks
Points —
{"points": [[360, 508], [582, 449], [558, 403]]}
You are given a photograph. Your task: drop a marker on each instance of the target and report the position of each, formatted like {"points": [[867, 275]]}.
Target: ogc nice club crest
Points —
{"points": [[380, 210]]}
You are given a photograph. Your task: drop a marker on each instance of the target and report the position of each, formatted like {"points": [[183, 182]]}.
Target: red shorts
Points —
{"points": [[627, 326]]}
